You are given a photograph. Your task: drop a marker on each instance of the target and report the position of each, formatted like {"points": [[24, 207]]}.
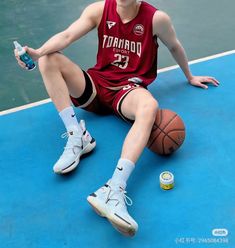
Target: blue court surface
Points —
{"points": [[41, 209]]}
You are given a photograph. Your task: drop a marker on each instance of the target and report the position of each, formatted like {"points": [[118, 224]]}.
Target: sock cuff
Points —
{"points": [[70, 108], [69, 119], [126, 161]]}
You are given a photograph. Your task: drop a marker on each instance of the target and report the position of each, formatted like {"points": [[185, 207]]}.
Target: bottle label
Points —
{"points": [[28, 61]]}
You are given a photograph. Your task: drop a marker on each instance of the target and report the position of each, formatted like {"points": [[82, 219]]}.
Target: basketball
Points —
{"points": [[168, 132]]}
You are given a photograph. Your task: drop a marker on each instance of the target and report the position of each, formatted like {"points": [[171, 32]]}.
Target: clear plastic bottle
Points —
{"points": [[24, 56]]}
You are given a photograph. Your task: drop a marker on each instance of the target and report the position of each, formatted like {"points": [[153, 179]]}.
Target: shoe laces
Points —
{"points": [[69, 144], [65, 135], [123, 193], [127, 199]]}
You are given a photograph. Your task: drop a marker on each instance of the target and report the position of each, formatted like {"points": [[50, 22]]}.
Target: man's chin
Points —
{"points": [[124, 3]]}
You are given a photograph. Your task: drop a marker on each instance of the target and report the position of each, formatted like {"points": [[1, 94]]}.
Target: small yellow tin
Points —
{"points": [[166, 180]]}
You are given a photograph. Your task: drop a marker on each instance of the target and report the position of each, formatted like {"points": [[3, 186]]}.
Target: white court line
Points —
{"points": [[197, 61], [34, 104], [26, 106]]}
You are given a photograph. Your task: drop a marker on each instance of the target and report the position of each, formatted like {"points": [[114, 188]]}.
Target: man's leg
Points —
{"points": [[139, 105], [63, 78], [110, 200]]}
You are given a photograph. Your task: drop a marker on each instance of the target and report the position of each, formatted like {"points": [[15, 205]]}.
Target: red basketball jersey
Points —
{"points": [[126, 50]]}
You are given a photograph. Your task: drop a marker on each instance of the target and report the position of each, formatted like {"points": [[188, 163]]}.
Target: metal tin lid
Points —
{"points": [[166, 177]]}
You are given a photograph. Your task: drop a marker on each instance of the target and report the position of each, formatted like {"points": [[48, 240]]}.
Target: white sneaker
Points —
{"points": [[76, 146], [111, 203]]}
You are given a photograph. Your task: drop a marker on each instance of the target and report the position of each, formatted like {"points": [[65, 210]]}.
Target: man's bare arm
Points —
{"points": [[163, 28], [88, 20]]}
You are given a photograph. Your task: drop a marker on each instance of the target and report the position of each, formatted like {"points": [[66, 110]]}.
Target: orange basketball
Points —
{"points": [[168, 132]]}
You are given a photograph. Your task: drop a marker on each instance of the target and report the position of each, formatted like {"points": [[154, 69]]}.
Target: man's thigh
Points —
{"points": [[133, 101], [72, 74]]}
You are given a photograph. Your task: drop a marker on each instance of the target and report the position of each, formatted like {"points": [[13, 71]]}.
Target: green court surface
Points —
{"points": [[204, 28]]}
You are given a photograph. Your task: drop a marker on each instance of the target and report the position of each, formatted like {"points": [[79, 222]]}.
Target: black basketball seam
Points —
{"points": [[166, 134], [162, 130], [169, 122], [166, 124], [171, 139], [163, 147], [160, 117]]}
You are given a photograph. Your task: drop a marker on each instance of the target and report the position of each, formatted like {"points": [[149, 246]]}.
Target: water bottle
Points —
{"points": [[24, 56]]}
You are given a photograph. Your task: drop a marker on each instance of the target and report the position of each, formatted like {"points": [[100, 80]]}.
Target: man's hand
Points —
{"points": [[201, 81], [33, 53]]}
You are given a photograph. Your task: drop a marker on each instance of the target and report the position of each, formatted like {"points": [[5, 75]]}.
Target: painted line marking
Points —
{"points": [[26, 106]]}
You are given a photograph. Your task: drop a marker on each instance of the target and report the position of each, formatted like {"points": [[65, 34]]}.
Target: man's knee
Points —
{"points": [[147, 110], [47, 62]]}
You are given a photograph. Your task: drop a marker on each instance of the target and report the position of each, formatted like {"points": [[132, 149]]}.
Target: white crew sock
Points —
{"points": [[122, 172], [70, 120]]}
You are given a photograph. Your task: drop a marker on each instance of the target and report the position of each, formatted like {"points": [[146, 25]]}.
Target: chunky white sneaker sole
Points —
{"points": [[90, 146], [120, 224]]}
